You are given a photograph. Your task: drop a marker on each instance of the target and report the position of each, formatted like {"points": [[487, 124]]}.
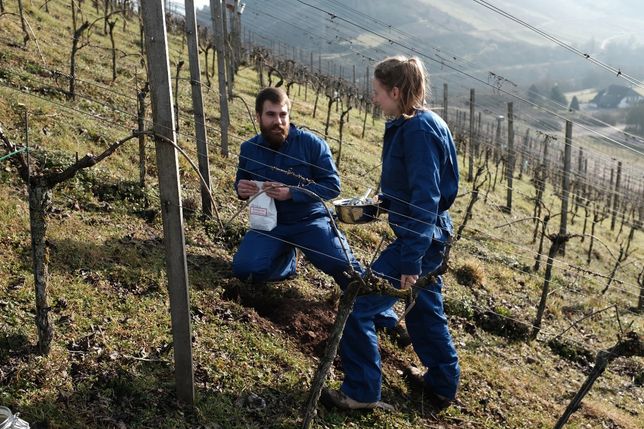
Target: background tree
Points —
{"points": [[574, 104], [534, 93], [557, 96], [635, 119]]}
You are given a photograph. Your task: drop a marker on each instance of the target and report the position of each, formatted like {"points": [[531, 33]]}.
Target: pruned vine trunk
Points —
{"points": [[72, 63], [631, 346], [25, 33], [544, 226], [176, 96], [557, 242], [39, 189], [315, 104], [260, 72], [474, 197], [328, 117], [342, 121], [288, 90], [141, 128], [596, 220], [106, 4], [640, 301], [113, 43], [331, 350], [623, 255], [207, 73], [364, 121], [39, 200], [586, 216]]}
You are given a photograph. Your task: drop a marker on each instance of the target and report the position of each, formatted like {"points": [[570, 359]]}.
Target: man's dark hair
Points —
{"points": [[274, 95]]}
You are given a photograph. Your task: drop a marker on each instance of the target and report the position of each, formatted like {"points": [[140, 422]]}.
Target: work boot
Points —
{"points": [[398, 335], [338, 399], [252, 281], [416, 381]]}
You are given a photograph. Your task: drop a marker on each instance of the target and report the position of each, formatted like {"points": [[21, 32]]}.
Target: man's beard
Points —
{"points": [[275, 135]]}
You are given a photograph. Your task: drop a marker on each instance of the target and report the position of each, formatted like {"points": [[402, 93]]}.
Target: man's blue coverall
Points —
{"points": [[302, 221]]}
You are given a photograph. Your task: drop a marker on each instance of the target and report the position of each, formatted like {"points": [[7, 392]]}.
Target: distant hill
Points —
{"points": [[463, 34]]}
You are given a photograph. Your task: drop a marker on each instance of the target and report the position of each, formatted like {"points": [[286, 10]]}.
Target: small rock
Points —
{"points": [[255, 402], [240, 402]]}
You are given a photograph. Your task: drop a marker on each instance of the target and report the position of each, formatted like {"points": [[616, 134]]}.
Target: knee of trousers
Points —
{"points": [[244, 266]]}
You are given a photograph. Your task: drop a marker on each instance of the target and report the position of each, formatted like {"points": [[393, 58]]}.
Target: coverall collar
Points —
{"points": [[394, 122]]}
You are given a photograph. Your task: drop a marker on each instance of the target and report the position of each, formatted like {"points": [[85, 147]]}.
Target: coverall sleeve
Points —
{"points": [[242, 171], [423, 154], [326, 182]]}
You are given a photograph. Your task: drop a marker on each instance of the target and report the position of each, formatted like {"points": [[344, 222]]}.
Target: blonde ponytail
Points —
{"points": [[408, 75]]}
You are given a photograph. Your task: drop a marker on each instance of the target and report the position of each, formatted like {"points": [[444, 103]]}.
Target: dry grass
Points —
{"points": [[470, 274]]}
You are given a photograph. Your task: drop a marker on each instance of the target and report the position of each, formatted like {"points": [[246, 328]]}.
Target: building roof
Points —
{"points": [[611, 96]]}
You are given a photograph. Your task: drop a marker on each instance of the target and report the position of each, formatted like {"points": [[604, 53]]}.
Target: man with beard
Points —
{"points": [[282, 155]]}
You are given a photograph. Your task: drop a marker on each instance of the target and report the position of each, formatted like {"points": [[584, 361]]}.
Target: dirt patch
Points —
{"points": [[571, 352], [307, 322], [500, 322], [504, 326]]}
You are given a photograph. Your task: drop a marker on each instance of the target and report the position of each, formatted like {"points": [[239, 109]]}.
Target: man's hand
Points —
{"points": [[407, 280], [277, 191], [246, 189]]}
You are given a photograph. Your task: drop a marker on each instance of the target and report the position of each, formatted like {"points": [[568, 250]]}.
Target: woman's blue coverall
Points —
{"points": [[419, 183]]}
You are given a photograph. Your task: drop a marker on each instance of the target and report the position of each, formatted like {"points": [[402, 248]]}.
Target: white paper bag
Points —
{"points": [[262, 211]]}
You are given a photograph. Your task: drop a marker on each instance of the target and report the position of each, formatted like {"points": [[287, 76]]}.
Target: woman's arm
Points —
{"points": [[423, 155]]}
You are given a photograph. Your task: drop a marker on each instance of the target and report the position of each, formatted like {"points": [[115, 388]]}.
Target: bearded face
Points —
{"points": [[274, 123]]}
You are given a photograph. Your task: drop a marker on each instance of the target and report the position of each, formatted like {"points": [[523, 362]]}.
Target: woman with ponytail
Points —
{"points": [[419, 183]]}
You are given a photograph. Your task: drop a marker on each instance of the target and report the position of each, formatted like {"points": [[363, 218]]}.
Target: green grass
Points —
{"points": [[111, 359]]}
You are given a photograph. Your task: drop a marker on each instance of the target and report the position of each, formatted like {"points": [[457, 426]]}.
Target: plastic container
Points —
{"points": [[10, 421]]}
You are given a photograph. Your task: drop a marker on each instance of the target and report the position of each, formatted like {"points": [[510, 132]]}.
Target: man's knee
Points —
{"points": [[336, 265], [245, 266]]}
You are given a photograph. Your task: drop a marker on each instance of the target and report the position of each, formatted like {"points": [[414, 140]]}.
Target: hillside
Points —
{"points": [[462, 33], [256, 348]]}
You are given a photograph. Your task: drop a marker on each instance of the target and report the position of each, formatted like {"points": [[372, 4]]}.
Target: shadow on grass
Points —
{"points": [[129, 264], [15, 344], [14, 347], [137, 394]]}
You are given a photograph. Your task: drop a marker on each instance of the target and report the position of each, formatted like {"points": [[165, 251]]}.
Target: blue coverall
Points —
{"points": [[419, 183], [302, 221]]}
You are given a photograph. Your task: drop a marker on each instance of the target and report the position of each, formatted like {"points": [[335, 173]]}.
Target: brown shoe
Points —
{"points": [[338, 399], [416, 382]]}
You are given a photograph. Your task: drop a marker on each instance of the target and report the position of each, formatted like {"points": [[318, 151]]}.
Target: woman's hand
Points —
{"points": [[408, 280]]}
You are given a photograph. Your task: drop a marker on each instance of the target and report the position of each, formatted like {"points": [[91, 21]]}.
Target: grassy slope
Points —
{"points": [[111, 361]]}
